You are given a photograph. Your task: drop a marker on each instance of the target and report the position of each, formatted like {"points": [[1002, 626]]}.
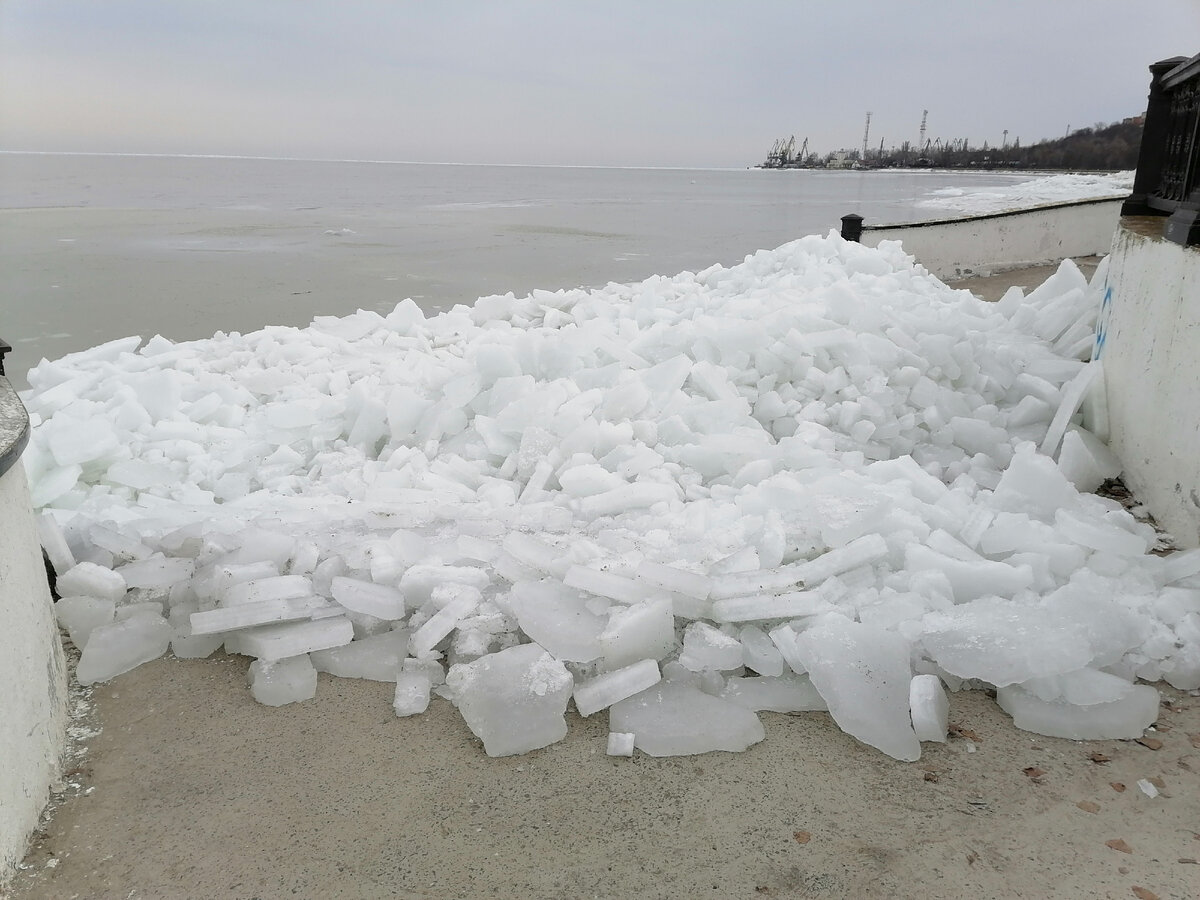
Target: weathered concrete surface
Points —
{"points": [[197, 791], [33, 702]]}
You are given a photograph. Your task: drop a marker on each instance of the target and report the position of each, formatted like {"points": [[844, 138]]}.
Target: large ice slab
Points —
{"points": [[514, 700], [376, 658], [277, 682], [116, 648], [863, 674], [1128, 717], [676, 719], [294, 638]]}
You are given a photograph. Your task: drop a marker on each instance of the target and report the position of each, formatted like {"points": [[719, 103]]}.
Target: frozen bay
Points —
{"points": [[100, 247]]}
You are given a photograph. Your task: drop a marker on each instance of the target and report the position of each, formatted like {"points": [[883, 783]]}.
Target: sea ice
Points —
{"points": [[121, 646], [294, 638], [610, 687], [1128, 717], [87, 579], [514, 700], [281, 681], [781, 693], [412, 693], [676, 719], [370, 599], [376, 658], [79, 615], [863, 673], [930, 708]]}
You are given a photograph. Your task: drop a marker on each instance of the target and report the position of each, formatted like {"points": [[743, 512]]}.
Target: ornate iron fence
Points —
{"points": [[1167, 182]]}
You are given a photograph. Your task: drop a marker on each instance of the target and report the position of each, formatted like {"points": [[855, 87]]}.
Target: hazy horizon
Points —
{"points": [[666, 85]]}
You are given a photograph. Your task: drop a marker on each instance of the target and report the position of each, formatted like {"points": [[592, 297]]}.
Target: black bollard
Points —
{"points": [[852, 227]]}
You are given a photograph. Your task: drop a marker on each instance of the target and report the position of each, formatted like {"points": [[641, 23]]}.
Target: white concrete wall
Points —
{"points": [[1149, 342], [980, 245], [33, 691]]}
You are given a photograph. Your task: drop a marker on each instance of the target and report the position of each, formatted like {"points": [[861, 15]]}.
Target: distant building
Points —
{"points": [[840, 159]]}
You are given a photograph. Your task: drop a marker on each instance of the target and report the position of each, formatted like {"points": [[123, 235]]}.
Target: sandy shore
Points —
{"points": [[193, 790]]}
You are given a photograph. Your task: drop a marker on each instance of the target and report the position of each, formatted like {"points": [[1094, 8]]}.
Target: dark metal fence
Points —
{"points": [[1167, 182]]}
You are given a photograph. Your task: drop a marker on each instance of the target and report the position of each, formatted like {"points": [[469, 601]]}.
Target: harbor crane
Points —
{"points": [[866, 135], [924, 116]]}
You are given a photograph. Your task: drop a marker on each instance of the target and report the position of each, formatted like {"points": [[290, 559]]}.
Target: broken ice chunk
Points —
{"points": [[758, 651], [259, 590], [462, 602], [863, 673], [969, 580], [929, 707], [90, 580], [121, 646], [1033, 484], [370, 599], [705, 647], [1002, 642], [281, 681], [54, 542], [79, 615], [608, 584], [677, 581], [514, 700], [294, 638], [605, 690], [620, 743], [558, 618], [1128, 717], [675, 719], [1086, 461], [412, 693], [642, 631], [247, 615], [375, 658], [156, 571], [783, 693], [759, 607]]}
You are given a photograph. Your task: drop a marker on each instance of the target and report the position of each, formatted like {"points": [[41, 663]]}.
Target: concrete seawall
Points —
{"points": [[979, 245], [33, 702]]}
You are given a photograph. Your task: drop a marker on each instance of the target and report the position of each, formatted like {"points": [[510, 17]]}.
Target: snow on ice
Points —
{"points": [[820, 479], [1036, 191]]}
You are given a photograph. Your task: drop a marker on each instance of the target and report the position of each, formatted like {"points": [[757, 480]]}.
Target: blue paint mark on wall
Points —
{"points": [[1102, 320]]}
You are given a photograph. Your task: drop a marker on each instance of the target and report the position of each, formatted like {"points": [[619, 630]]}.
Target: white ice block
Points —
{"points": [[929, 707], [620, 743], [608, 584], [536, 553], [445, 620], [1072, 398], [673, 579], [775, 693], [606, 689], [294, 638], [412, 693], [277, 587], [558, 618], [378, 600], [970, 580], [759, 652], [282, 681], [90, 580], [54, 542], [1128, 717], [376, 658], [156, 572], [79, 615], [418, 581], [248, 615], [675, 719], [1086, 461], [863, 673], [760, 607], [642, 631], [705, 647], [121, 646], [514, 700]]}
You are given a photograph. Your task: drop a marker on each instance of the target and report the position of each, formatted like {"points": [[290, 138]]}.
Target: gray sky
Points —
{"points": [[575, 82]]}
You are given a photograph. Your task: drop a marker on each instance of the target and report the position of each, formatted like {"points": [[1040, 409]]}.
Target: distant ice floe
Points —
{"points": [[1050, 189], [820, 479]]}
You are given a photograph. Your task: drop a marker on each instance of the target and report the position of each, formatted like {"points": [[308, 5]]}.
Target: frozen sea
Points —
{"points": [[99, 247]]}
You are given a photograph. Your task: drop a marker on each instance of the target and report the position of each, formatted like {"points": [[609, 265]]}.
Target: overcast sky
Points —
{"points": [[575, 82]]}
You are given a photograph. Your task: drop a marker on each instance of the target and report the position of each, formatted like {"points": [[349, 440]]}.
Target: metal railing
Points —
{"points": [[1167, 182]]}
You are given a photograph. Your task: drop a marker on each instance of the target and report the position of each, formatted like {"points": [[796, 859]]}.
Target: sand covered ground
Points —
{"points": [[275, 803]]}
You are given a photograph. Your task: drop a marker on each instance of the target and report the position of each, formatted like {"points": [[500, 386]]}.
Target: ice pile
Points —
{"points": [[1036, 191], [820, 479]]}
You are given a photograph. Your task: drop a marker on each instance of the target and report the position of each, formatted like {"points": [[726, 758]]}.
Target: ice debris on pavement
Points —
{"points": [[820, 479]]}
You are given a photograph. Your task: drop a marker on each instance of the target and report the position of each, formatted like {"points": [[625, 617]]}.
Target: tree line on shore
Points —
{"points": [[1113, 147]]}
